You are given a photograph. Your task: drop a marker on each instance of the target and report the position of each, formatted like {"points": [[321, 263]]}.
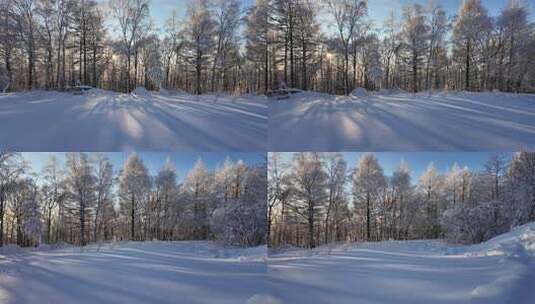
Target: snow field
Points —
{"points": [[103, 120], [498, 271], [148, 272], [501, 270], [399, 121]]}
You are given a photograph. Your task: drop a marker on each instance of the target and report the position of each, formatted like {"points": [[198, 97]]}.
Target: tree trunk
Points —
{"points": [[346, 71], [268, 232], [82, 224], [48, 225], [128, 72], [305, 80], [132, 227], [414, 71], [467, 83], [311, 225], [94, 66], [266, 69], [198, 73], [368, 216]]}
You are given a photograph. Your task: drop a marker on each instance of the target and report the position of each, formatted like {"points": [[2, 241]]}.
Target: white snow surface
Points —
{"points": [[135, 272], [393, 120], [102, 120], [501, 270], [359, 92]]}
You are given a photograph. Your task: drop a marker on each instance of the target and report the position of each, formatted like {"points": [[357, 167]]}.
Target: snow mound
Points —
{"points": [[141, 92], [359, 92], [518, 243]]}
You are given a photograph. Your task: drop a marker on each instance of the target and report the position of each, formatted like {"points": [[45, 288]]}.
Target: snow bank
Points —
{"points": [[359, 92], [141, 92], [519, 243]]}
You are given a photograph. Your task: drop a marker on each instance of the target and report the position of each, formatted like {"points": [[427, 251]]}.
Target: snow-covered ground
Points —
{"points": [[106, 121], [149, 272], [399, 121], [501, 270]]}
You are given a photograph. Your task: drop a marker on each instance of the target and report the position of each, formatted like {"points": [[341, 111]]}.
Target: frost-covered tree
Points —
{"points": [[103, 172], [52, 192], [309, 181], [197, 193], [228, 18], [242, 220], [521, 175], [134, 184], [401, 184], [132, 17], [12, 167], [516, 43], [368, 182], [415, 37], [25, 212], [430, 187], [80, 182], [459, 204], [469, 28], [163, 210], [337, 177], [347, 15], [199, 37], [258, 41]]}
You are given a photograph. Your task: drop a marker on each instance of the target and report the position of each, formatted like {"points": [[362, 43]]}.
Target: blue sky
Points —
{"points": [[378, 9], [155, 160], [419, 161]]}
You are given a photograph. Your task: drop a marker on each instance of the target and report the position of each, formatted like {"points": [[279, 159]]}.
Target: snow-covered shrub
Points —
{"points": [[242, 221], [464, 224], [359, 92], [141, 92]]}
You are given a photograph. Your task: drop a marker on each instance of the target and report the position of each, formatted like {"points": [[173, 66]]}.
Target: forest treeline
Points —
{"points": [[219, 45], [316, 198], [86, 200]]}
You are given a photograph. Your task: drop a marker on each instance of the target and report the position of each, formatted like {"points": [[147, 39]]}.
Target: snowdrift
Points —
{"points": [[518, 243], [141, 92], [359, 92]]}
